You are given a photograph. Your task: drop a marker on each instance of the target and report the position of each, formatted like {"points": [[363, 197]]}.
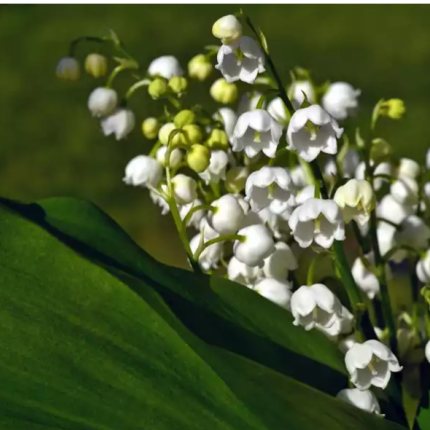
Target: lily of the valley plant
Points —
{"points": [[258, 190]]}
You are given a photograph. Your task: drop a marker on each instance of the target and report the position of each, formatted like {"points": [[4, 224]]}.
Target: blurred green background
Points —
{"points": [[50, 145]]}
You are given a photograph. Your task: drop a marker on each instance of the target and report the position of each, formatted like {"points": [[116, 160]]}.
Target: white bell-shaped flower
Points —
{"points": [[381, 169], [228, 117], [257, 245], [330, 167], [340, 100], [299, 177], [249, 101], [242, 60], [304, 194], [409, 168], [365, 279], [371, 363], [317, 220], [356, 200], [363, 399], [423, 268], [227, 216], [120, 123], [413, 232], [102, 101], [242, 273], [270, 187], [343, 324], [217, 167], [158, 200], [275, 290], [176, 156], [312, 130], [277, 224], [210, 257], [184, 189], [393, 211], [143, 170], [280, 262], [278, 110], [256, 131], [427, 351], [315, 306], [405, 190], [296, 92], [196, 217], [165, 66]]}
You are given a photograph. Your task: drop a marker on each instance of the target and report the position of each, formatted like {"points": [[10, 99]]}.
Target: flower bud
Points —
{"points": [[200, 67], [227, 216], [178, 84], [184, 189], [68, 69], [393, 108], [193, 134], [218, 139], [102, 101], [175, 157], [198, 158], [223, 92], [184, 117], [356, 200], [150, 128], [235, 179], [164, 133], [380, 149], [96, 65], [157, 88], [228, 29]]}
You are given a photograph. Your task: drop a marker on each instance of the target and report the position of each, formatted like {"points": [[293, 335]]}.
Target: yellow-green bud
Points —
{"points": [[380, 149], [96, 65], [235, 179], [164, 133], [199, 67], [150, 128], [68, 69], [193, 134], [157, 88], [184, 117], [228, 29], [223, 92], [178, 84], [393, 108], [198, 158], [217, 139]]}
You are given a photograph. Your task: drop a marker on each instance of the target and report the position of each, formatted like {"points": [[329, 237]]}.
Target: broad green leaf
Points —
{"points": [[94, 342]]}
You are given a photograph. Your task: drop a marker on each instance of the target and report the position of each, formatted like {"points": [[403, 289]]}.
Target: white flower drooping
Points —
{"points": [[228, 29], [423, 268], [68, 68], [270, 187], [278, 110], [217, 167], [211, 256], [229, 119], [102, 101], [143, 170], [120, 123], [296, 92], [318, 220], [405, 190], [165, 66], [275, 290], [196, 217], [280, 262], [176, 156], [256, 131], [365, 279], [227, 216], [242, 60], [340, 100], [363, 399], [241, 272], [413, 232], [356, 200], [315, 306], [312, 130], [371, 363], [184, 189], [257, 245]]}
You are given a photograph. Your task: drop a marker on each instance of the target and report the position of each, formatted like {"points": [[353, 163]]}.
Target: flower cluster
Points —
{"points": [[256, 188]]}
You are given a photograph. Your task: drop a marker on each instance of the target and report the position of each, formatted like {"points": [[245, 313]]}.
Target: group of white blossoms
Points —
{"points": [[234, 192]]}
